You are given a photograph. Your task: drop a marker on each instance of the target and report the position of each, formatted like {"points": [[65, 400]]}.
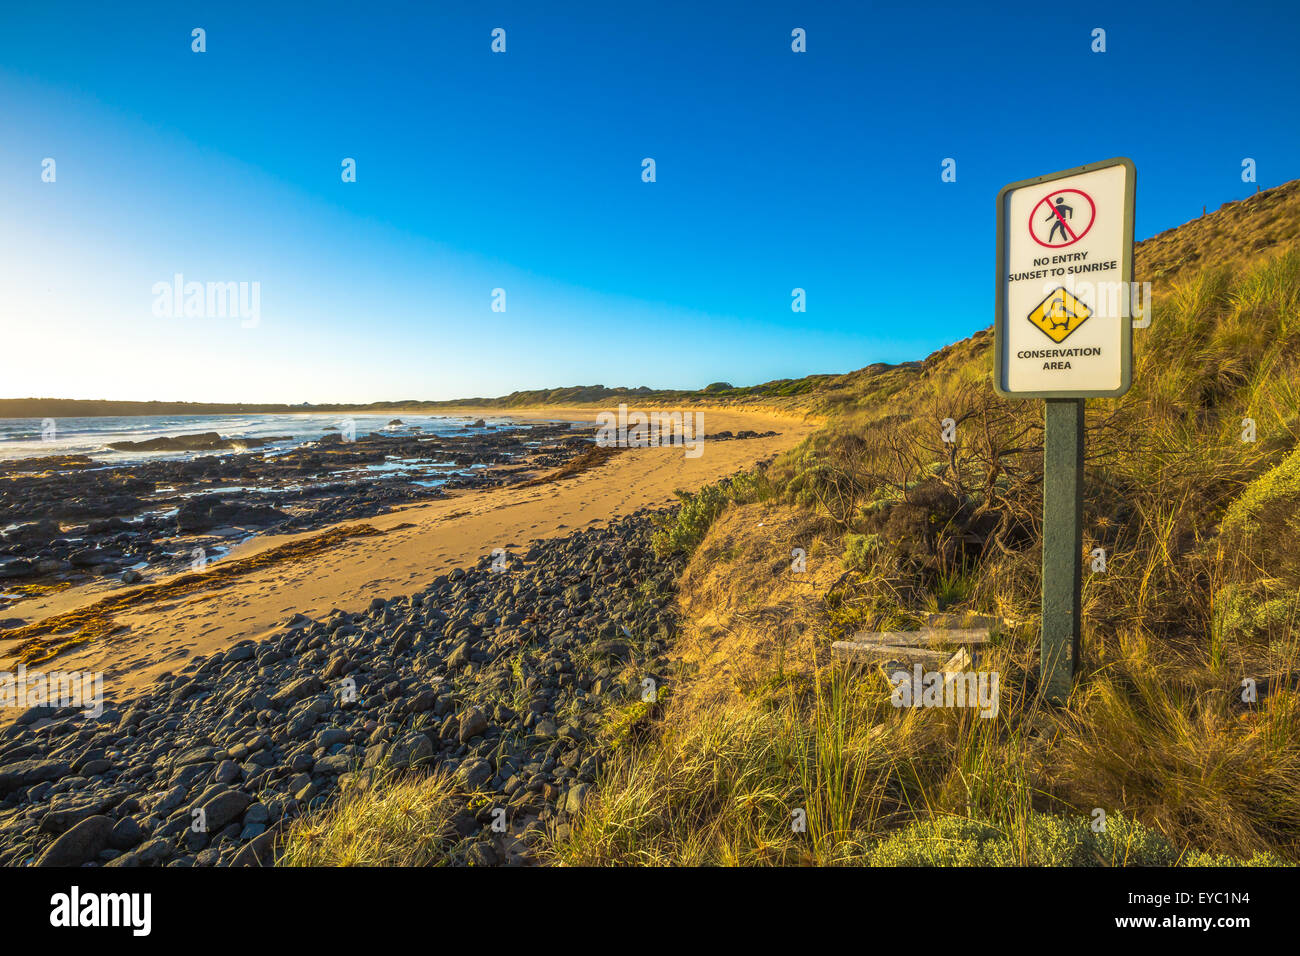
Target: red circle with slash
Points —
{"points": [[1065, 224]]}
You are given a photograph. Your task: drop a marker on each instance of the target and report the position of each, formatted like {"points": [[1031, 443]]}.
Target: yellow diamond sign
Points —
{"points": [[1059, 314]]}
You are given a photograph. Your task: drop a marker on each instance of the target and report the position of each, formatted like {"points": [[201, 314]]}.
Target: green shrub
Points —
{"points": [[691, 522], [1266, 517], [1251, 611], [688, 525], [860, 551]]}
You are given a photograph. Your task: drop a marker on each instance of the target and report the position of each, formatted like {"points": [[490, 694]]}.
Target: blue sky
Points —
{"points": [[522, 171]]}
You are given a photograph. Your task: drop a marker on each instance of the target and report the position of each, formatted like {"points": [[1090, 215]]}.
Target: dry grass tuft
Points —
{"points": [[396, 821]]}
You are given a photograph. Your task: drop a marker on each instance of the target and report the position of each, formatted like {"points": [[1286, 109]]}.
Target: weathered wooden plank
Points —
{"points": [[925, 636], [884, 653]]}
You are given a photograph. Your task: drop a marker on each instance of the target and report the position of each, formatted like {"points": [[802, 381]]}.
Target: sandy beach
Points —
{"points": [[416, 543]]}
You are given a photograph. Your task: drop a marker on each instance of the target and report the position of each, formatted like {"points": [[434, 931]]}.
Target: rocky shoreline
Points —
{"points": [[500, 675], [71, 520]]}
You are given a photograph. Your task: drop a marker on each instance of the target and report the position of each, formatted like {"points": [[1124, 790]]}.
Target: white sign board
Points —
{"points": [[1063, 326]]}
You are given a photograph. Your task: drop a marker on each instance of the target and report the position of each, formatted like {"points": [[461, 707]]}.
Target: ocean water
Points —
{"points": [[34, 437]]}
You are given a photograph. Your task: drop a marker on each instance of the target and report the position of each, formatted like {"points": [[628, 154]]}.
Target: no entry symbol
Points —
{"points": [[1062, 218]]}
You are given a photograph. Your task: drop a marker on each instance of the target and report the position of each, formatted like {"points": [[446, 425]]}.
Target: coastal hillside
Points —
{"points": [[1181, 741], [1184, 721]]}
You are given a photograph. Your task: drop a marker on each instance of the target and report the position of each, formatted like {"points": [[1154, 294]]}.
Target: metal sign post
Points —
{"points": [[1063, 332]]}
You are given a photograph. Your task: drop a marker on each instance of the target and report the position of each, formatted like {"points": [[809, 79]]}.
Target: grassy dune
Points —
{"points": [[1201, 531]]}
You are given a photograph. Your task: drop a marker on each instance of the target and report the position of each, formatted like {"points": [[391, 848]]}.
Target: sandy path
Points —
{"points": [[445, 534]]}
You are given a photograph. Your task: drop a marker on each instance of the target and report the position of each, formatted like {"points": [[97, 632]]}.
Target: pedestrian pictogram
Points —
{"points": [[1060, 212], [1059, 314], [1062, 218]]}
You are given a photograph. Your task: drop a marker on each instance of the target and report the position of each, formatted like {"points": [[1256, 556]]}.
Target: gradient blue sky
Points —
{"points": [[523, 171]]}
